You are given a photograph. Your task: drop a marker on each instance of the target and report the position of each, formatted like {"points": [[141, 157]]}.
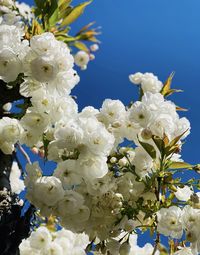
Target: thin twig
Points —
{"points": [[26, 156], [156, 243]]}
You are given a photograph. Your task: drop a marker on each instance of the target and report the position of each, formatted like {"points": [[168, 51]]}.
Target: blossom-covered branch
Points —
{"points": [[101, 192]]}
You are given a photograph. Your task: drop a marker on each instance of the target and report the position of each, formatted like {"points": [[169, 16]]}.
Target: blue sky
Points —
{"points": [[145, 35]]}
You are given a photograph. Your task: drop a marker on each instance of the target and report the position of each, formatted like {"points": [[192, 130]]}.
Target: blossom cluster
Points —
{"points": [[173, 221], [63, 242], [89, 190]]}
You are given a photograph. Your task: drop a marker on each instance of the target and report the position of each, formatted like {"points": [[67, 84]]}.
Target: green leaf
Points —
{"points": [[51, 7], [66, 38], [39, 3], [64, 3], [76, 12], [45, 143], [178, 108], [36, 28], [85, 28], [54, 18], [141, 93], [64, 8], [48, 10], [159, 143], [149, 149], [65, 12], [172, 91], [167, 86], [180, 165], [81, 46], [176, 139]]}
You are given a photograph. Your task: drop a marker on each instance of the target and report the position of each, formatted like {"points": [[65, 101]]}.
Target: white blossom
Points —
{"points": [[184, 251], [10, 133], [183, 193], [169, 221], [81, 59], [17, 184], [136, 78], [41, 238]]}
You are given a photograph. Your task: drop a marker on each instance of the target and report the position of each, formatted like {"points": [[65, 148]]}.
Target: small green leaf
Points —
{"points": [[54, 18], [64, 8], [149, 149], [141, 92], [63, 4], [159, 143], [45, 143], [51, 8], [85, 28], [172, 91], [36, 28], [167, 86], [81, 46], [39, 4], [180, 165], [64, 13], [176, 139], [48, 11], [178, 108], [75, 13]]}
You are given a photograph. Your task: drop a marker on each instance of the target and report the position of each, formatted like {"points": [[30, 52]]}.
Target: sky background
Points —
{"points": [[147, 36]]}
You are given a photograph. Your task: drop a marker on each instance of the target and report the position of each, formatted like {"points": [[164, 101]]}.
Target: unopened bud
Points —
{"points": [[122, 150], [84, 67], [94, 47], [41, 153], [197, 168], [113, 160], [194, 198], [35, 150], [146, 134], [7, 107], [92, 56], [123, 162], [191, 236]]}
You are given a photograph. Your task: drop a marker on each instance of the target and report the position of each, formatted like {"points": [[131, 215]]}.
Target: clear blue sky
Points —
{"points": [[147, 36]]}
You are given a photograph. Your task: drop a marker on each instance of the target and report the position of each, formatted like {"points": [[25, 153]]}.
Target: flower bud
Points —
{"points": [[191, 236], [123, 162], [122, 150], [92, 56], [131, 155], [194, 198], [146, 134], [35, 150], [42, 153], [197, 168], [7, 107], [113, 160], [94, 47]]}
